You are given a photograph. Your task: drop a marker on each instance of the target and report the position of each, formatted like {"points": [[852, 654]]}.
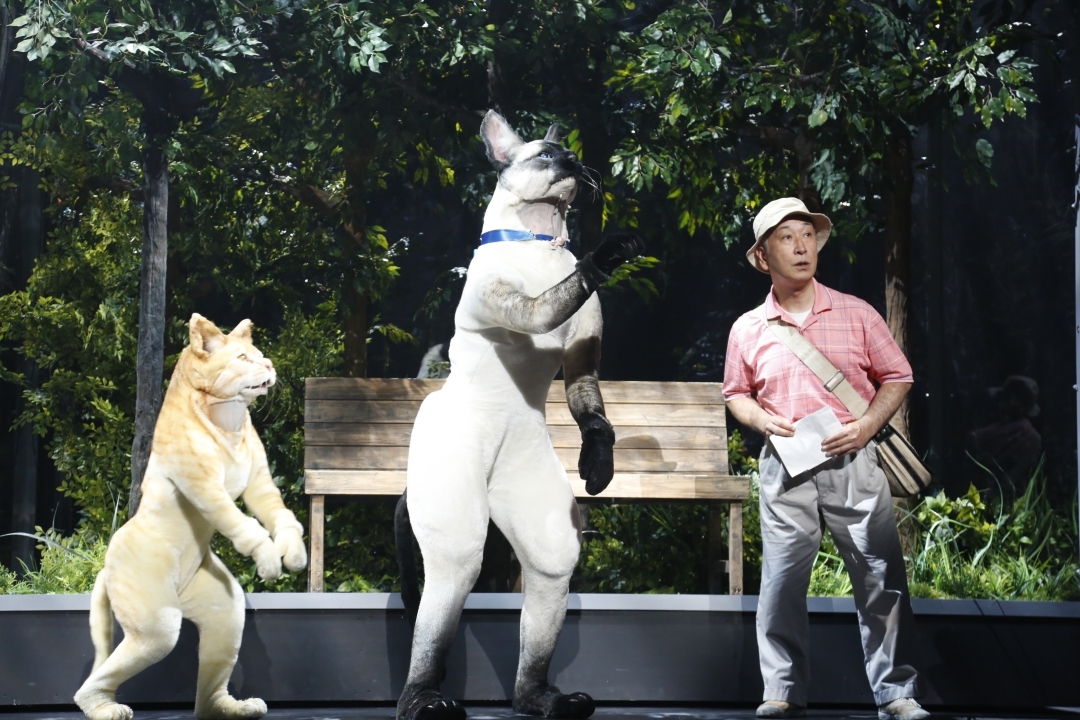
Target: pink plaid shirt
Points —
{"points": [[845, 329]]}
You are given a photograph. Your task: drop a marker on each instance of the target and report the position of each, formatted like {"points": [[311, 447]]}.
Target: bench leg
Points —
{"points": [[735, 536], [717, 563], [315, 532]]}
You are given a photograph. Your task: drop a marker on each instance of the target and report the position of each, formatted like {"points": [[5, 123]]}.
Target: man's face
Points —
{"points": [[790, 252]]}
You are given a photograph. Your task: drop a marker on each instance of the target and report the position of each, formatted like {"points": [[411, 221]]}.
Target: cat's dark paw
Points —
{"points": [[428, 704], [596, 463], [442, 709], [616, 249], [548, 702], [575, 706]]}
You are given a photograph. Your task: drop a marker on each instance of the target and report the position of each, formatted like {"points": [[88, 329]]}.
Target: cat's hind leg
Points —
{"points": [[148, 610], [214, 601], [447, 503], [533, 505]]}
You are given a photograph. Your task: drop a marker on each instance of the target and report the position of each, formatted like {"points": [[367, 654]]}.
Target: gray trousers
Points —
{"points": [[850, 494]]}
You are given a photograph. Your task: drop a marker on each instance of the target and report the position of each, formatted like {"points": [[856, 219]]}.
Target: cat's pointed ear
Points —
{"points": [[499, 139], [205, 336], [242, 331], [554, 133]]}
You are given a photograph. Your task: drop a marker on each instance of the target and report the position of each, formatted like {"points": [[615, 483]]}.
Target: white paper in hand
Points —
{"points": [[802, 451]]}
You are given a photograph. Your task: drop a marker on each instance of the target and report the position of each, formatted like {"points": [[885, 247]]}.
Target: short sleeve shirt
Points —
{"points": [[847, 330]]}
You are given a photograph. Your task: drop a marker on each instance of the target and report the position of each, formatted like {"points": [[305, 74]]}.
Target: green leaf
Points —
{"points": [[818, 117], [969, 83]]}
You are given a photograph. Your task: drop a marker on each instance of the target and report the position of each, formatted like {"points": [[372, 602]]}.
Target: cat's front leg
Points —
{"points": [[206, 492], [506, 306], [263, 498], [581, 362]]}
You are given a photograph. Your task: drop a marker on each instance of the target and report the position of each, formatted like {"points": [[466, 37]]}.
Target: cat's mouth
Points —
{"points": [[261, 386]]}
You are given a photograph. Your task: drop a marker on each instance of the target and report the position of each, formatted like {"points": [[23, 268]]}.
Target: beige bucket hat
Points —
{"points": [[775, 213]]}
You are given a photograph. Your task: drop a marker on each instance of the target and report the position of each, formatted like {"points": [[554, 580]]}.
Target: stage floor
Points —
{"points": [[603, 713]]}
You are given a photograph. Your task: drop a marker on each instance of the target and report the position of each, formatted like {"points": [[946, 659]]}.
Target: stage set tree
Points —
{"points": [[748, 101], [160, 54], [294, 133]]}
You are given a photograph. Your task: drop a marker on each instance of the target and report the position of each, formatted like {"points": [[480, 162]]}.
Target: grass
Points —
{"points": [[985, 548], [68, 565]]}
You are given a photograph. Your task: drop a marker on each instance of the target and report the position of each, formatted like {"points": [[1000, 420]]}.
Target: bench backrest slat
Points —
{"points": [[671, 438]]}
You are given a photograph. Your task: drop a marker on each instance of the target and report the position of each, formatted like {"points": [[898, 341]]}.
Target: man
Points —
{"points": [[768, 388]]}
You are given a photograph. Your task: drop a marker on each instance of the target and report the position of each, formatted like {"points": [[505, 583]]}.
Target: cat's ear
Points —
{"points": [[242, 331], [499, 139], [205, 336], [554, 134]]}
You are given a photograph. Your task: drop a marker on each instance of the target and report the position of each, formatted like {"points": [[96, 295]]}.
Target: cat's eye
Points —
{"points": [[242, 357], [545, 155]]}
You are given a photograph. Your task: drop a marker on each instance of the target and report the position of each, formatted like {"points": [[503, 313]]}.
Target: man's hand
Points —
{"points": [[850, 439], [776, 425], [747, 411]]}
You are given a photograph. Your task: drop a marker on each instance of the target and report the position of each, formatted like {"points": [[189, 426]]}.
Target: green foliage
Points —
{"points": [[997, 549], [360, 554], [76, 320], [69, 565], [645, 549], [751, 101], [664, 548], [323, 122], [971, 547]]}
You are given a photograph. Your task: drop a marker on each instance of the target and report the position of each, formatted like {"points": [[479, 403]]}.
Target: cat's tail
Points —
{"points": [[410, 577], [101, 621]]}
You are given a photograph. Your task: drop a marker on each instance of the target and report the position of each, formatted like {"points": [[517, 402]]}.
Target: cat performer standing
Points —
{"points": [[480, 448], [768, 388]]}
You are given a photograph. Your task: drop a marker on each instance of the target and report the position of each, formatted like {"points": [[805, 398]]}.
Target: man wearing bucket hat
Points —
{"points": [[768, 388]]}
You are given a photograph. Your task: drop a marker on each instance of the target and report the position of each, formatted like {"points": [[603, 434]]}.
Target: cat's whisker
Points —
{"points": [[591, 178]]}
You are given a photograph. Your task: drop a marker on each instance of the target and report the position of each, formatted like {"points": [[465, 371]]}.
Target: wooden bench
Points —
{"points": [[671, 445]]}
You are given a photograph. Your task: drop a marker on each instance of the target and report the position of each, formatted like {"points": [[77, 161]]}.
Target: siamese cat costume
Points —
{"points": [[480, 448]]}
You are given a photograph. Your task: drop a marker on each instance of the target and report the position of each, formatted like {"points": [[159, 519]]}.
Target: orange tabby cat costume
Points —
{"points": [[159, 567]]}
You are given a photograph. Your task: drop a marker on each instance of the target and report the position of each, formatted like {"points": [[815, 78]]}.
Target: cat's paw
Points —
{"points": [[110, 711], [101, 706], [267, 560], [225, 707], [549, 702], [428, 704], [290, 546], [616, 249], [442, 709], [574, 706], [596, 463]]}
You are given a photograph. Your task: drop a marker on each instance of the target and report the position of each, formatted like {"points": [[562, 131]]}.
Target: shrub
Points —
{"points": [[69, 565]]}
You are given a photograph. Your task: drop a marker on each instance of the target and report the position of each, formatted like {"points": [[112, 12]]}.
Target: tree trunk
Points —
{"points": [[355, 298], [31, 238], [899, 184], [354, 323], [151, 355]]}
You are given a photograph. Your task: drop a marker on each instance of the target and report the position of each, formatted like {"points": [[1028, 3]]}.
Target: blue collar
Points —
{"points": [[492, 236]]}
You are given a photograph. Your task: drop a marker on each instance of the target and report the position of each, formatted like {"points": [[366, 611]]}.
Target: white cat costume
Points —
{"points": [[480, 448]]}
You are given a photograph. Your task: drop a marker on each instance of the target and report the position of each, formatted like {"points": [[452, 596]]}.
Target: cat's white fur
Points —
{"points": [[480, 448]]}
